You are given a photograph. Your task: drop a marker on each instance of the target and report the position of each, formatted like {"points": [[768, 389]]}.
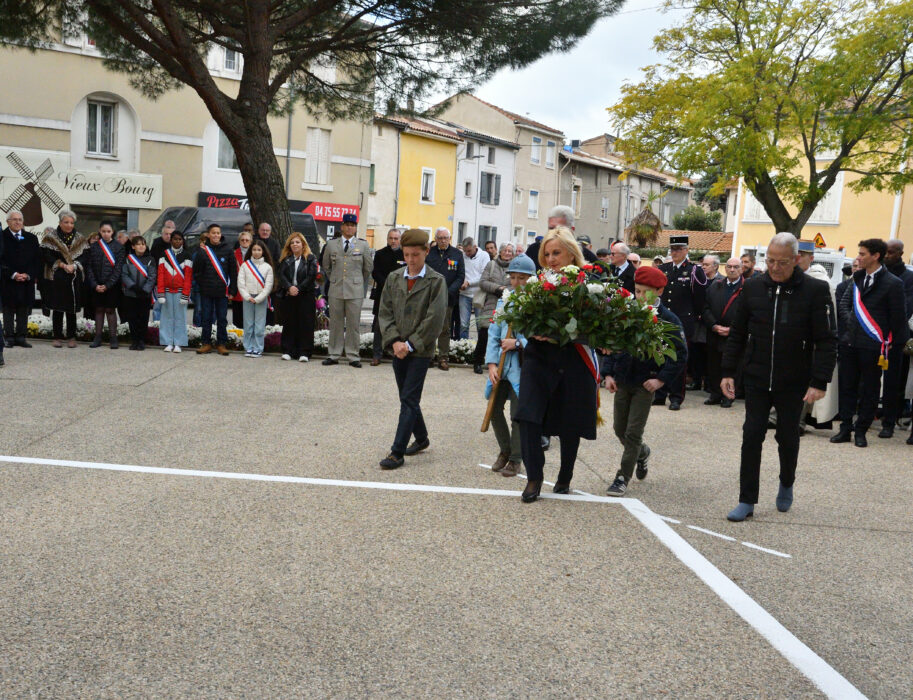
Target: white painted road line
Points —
{"points": [[816, 669], [711, 532], [670, 520], [769, 551]]}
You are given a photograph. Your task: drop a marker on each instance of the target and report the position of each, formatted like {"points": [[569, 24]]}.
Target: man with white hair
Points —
{"points": [[788, 362], [561, 215], [20, 265], [711, 266], [446, 260], [634, 259], [620, 268]]}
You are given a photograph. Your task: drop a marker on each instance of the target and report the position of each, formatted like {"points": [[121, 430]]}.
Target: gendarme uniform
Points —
{"points": [[347, 264]]}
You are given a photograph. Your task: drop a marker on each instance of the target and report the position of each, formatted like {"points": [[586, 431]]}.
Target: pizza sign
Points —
{"points": [[321, 211]]}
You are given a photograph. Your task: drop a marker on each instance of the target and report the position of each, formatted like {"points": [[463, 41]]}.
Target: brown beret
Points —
{"points": [[414, 237], [650, 277]]}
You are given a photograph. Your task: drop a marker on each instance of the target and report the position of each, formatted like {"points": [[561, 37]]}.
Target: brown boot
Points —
{"points": [[221, 350], [512, 468], [57, 343], [204, 349], [500, 462], [71, 343], [444, 365]]}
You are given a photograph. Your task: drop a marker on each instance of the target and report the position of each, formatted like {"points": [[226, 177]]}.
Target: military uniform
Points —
{"points": [[347, 265], [684, 296]]}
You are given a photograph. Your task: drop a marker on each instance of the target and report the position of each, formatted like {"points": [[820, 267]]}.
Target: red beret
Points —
{"points": [[650, 277]]}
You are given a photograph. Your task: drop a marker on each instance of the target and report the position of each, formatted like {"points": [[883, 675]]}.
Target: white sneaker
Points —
{"points": [[169, 348], [177, 348], [248, 354], [286, 357], [256, 354], [303, 358]]}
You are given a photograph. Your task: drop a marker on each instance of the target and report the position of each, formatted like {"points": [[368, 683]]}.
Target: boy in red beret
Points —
{"points": [[634, 381]]}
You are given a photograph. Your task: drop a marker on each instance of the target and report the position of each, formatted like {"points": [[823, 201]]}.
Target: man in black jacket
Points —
{"points": [[895, 376], [20, 265], [386, 260], [447, 261], [874, 317], [722, 305], [784, 329], [215, 273]]}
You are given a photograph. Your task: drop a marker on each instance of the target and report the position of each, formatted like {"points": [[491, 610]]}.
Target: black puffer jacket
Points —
{"points": [[787, 332], [205, 275], [305, 279], [99, 269], [884, 300]]}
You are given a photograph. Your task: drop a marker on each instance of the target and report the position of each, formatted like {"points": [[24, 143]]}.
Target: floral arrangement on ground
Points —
{"points": [[578, 305]]}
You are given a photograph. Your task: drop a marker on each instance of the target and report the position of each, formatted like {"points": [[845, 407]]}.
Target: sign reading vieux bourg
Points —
{"points": [[321, 211]]}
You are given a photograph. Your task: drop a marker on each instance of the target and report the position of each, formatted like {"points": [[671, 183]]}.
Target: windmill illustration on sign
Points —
{"points": [[29, 197]]}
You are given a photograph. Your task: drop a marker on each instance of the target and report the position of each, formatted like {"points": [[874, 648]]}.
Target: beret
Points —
{"points": [[650, 277], [414, 237]]}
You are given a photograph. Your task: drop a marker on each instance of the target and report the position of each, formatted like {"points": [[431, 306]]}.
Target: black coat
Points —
{"points": [[386, 260], [803, 350], [626, 278], [718, 297], [158, 248], [304, 280], [99, 269], [884, 300], [901, 272], [685, 292], [448, 263], [557, 391], [60, 290], [19, 256], [630, 371], [838, 295], [205, 275]]}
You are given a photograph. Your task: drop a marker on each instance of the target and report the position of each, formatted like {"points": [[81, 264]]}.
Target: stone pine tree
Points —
{"points": [[784, 93], [386, 54]]}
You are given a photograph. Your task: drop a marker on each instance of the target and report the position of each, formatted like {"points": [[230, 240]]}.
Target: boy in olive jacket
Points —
{"points": [[411, 315]]}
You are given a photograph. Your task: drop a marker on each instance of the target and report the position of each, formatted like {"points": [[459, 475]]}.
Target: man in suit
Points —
{"points": [[895, 376], [447, 261], [412, 311], [875, 319], [20, 265], [720, 309], [684, 296], [386, 260], [347, 262], [620, 268]]}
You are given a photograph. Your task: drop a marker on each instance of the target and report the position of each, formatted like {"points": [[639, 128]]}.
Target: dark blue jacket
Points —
{"points": [[630, 371], [448, 263], [904, 275]]}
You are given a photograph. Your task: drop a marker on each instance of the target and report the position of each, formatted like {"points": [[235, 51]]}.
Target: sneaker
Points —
{"points": [[392, 461], [641, 471], [256, 354], [304, 358], [177, 348], [169, 348], [286, 356], [248, 354], [618, 487]]}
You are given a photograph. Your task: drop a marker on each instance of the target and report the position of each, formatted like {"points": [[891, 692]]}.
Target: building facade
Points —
{"points": [[84, 139]]}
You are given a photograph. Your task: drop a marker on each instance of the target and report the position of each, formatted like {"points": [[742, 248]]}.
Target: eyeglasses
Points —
{"points": [[778, 263]]}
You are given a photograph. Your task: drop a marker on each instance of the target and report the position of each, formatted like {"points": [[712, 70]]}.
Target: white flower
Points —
{"points": [[571, 270], [552, 277], [505, 295], [594, 288]]}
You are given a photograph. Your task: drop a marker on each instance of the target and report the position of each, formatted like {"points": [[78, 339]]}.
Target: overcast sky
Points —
{"points": [[570, 91]]}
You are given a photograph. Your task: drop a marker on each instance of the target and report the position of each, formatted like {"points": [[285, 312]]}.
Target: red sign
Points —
{"points": [[321, 211], [324, 211]]}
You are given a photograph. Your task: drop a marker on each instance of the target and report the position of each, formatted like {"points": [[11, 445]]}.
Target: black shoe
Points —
{"points": [[330, 361], [641, 471], [658, 401], [22, 343], [477, 369], [562, 488], [95, 343], [531, 492], [726, 403], [3, 362], [712, 401], [860, 440], [141, 345], [909, 439], [675, 406], [392, 461], [618, 487], [7, 343], [114, 345], [133, 346], [886, 432], [417, 446], [843, 435], [355, 363]]}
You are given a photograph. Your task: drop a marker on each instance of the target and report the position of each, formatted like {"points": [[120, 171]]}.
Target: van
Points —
{"points": [[193, 221]]}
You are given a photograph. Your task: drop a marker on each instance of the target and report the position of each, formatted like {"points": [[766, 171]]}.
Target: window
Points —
{"points": [[461, 230], [532, 210], [371, 188], [518, 233], [427, 196], [317, 168], [576, 198], [470, 149], [490, 189], [230, 62], [101, 125], [227, 159], [535, 153], [380, 130], [487, 233], [604, 209], [549, 154], [491, 155], [467, 188], [518, 196]]}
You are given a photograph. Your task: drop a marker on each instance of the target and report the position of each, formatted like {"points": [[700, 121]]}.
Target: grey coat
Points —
{"points": [[493, 282], [134, 283], [415, 316]]}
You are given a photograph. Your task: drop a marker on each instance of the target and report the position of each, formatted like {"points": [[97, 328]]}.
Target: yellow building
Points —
{"points": [[843, 217], [413, 165]]}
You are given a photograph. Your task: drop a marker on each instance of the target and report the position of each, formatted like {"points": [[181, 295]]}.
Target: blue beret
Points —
{"points": [[806, 246], [350, 218]]}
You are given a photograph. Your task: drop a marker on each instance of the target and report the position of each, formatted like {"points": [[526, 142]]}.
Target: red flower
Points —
{"points": [[624, 292], [588, 267], [563, 279], [655, 320], [581, 276], [548, 287]]}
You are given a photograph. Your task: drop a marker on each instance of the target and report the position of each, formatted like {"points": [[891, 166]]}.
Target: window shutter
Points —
{"points": [[497, 189], [485, 189]]}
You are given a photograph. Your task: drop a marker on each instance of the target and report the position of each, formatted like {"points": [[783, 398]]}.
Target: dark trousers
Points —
{"points": [[57, 318], [895, 381], [478, 355], [534, 455], [298, 316], [860, 383], [237, 314], [377, 347], [631, 411], [135, 311], [697, 362], [758, 402], [214, 310], [15, 321], [675, 389], [715, 346], [410, 380]]}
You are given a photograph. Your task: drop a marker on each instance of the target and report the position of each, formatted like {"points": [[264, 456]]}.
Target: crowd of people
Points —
{"points": [[773, 338]]}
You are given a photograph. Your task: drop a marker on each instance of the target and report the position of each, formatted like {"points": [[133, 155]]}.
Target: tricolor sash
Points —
{"points": [[259, 277], [218, 268], [107, 251], [870, 327], [174, 263], [135, 261]]}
